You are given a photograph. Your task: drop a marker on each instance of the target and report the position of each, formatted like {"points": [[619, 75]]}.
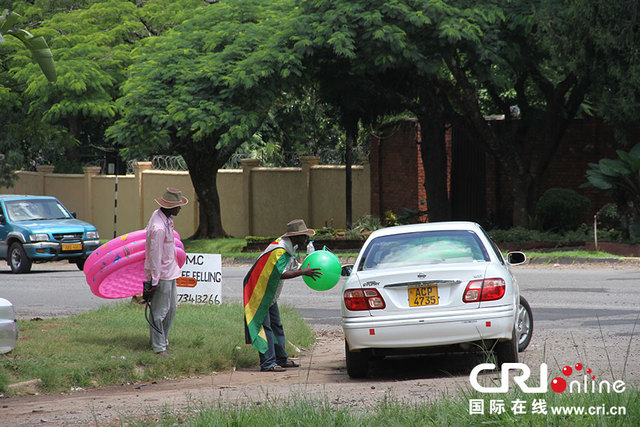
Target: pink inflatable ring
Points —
{"points": [[116, 269]]}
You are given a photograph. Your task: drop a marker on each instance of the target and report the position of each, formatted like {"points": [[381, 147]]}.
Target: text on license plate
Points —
{"points": [[423, 295], [71, 246]]}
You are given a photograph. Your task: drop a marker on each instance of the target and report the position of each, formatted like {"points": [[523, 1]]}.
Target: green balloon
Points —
{"points": [[330, 268]]}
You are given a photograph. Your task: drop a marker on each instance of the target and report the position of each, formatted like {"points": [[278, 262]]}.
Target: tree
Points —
{"points": [[12, 156], [532, 61], [615, 93], [205, 87], [377, 58], [465, 60]]}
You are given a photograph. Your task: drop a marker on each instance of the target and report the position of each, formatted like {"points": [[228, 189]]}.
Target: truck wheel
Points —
{"points": [[18, 259], [80, 263]]}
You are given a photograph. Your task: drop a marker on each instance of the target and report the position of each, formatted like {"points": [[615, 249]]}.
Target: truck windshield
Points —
{"points": [[36, 209]]}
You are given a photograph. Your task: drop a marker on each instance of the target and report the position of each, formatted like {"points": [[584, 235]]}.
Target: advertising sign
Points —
{"points": [[201, 280]]}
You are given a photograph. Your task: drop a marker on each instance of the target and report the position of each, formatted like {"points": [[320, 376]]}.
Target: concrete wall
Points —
{"points": [[254, 200]]}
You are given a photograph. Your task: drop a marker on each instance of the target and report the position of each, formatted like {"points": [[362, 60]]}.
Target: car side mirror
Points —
{"points": [[73, 214], [516, 258], [346, 270], [3, 220]]}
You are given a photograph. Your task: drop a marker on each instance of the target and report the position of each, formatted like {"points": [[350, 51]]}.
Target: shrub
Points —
{"points": [[367, 223], [561, 209], [608, 216]]}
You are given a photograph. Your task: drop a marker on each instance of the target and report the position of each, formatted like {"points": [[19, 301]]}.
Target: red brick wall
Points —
{"points": [[397, 176], [586, 141]]}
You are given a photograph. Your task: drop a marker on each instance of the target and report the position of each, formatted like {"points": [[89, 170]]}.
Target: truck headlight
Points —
{"points": [[92, 235], [39, 237]]}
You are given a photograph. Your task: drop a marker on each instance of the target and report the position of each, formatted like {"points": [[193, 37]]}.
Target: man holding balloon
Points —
{"points": [[261, 288]]}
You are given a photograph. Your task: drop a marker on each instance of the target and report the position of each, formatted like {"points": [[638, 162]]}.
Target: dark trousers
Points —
{"points": [[276, 342]]}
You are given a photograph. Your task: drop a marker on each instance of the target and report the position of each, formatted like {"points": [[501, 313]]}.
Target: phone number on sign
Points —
{"points": [[199, 299]]}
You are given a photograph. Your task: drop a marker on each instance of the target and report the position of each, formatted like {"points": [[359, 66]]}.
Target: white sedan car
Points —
{"points": [[442, 284], [8, 326]]}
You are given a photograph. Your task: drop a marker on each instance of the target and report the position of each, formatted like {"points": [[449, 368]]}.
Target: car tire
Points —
{"points": [[524, 324], [18, 259], [80, 263], [357, 362], [507, 351]]}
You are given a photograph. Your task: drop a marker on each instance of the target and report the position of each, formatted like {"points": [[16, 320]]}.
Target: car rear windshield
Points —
{"points": [[35, 209], [418, 248]]}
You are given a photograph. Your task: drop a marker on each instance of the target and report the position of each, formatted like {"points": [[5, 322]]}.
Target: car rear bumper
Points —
{"points": [[438, 330]]}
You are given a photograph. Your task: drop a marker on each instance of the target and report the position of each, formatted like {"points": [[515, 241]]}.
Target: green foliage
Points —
{"points": [[367, 223], [620, 179], [443, 410], [608, 216], [561, 209], [260, 239], [390, 219], [297, 122], [36, 44]]}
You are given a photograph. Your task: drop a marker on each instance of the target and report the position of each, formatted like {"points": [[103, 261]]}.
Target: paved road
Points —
{"points": [[561, 297]]}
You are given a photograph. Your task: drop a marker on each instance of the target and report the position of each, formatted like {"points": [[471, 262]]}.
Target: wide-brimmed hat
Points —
{"points": [[172, 198], [297, 227]]}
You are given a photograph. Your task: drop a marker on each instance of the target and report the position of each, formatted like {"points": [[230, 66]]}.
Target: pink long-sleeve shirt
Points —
{"points": [[160, 249]]}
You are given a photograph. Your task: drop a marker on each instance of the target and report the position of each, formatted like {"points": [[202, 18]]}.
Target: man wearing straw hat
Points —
{"points": [[261, 288], [162, 269]]}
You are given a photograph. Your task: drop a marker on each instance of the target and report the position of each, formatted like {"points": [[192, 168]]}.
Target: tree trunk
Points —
{"points": [[203, 169], [348, 184], [434, 162]]}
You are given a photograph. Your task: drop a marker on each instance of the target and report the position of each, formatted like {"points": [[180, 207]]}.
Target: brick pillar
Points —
{"points": [[138, 170], [307, 163], [247, 166], [89, 173]]}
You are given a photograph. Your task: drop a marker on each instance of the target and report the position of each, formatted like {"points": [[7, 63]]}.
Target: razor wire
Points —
{"points": [[328, 156]]}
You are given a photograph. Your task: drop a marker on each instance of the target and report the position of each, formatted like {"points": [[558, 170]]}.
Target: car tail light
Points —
{"points": [[363, 299], [484, 290]]}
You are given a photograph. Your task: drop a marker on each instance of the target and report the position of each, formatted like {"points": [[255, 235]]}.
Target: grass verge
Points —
{"points": [[232, 248], [571, 254], [517, 409], [111, 346]]}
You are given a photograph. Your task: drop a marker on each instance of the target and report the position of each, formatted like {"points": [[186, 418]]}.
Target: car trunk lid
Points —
{"points": [[428, 289]]}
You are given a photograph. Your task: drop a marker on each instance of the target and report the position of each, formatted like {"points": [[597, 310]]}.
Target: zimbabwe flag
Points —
{"points": [[259, 289]]}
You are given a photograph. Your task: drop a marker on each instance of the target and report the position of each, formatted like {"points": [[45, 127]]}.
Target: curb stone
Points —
{"points": [[536, 260], [582, 260]]}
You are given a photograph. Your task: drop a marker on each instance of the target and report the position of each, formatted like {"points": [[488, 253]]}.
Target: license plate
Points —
{"points": [[72, 246], [422, 295]]}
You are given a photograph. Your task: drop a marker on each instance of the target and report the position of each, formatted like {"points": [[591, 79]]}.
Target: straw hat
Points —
{"points": [[297, 227], [172, 198]]}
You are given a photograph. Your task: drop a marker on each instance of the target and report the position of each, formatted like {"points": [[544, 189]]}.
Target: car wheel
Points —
{"points": [[524, 324], [357, 362], [507, 351], [18, 259]]}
